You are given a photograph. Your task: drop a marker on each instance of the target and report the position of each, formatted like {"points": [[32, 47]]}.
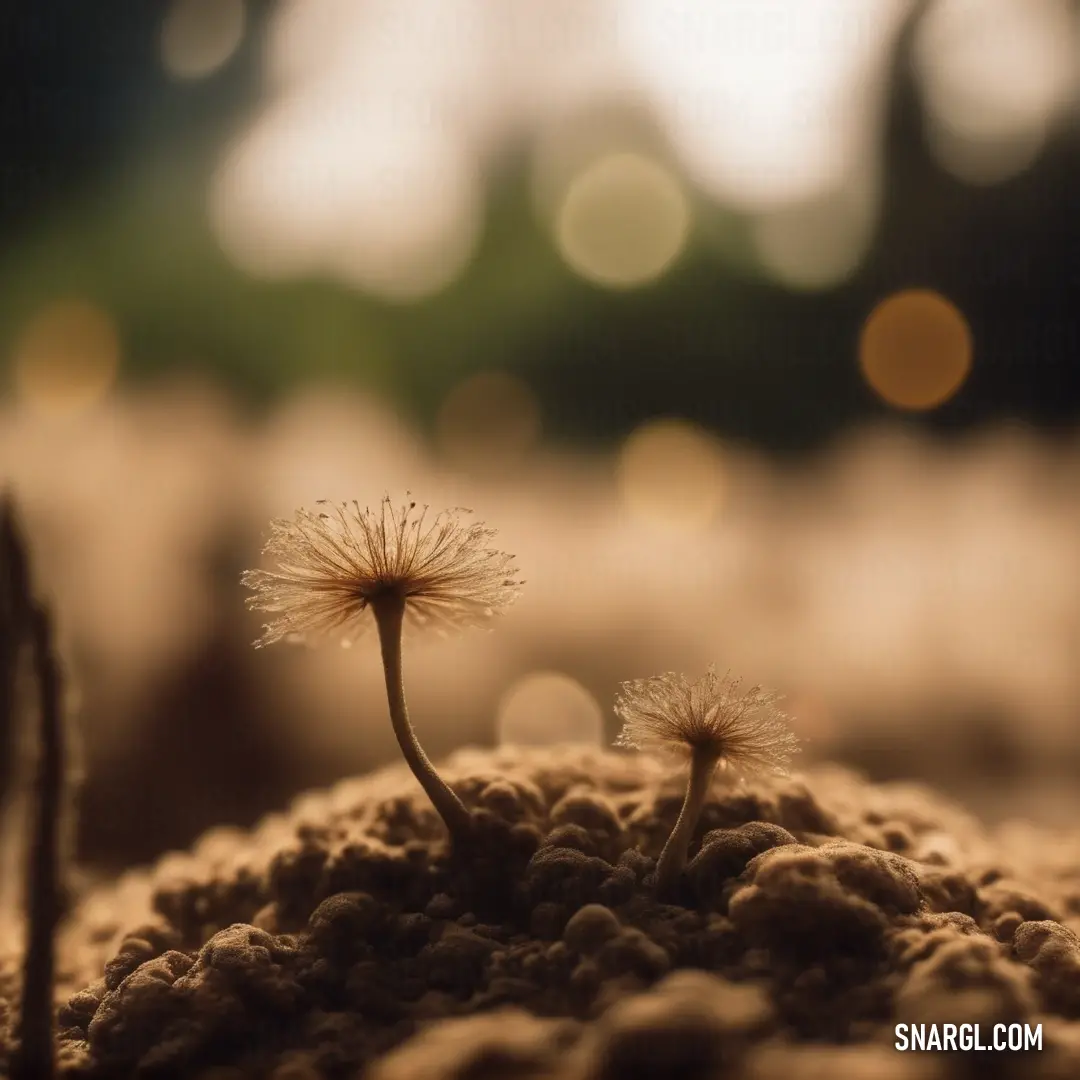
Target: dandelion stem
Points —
{"points": [[389, 612], [673, 858]]}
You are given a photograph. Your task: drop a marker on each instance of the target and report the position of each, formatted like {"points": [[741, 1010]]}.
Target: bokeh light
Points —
{"points": [[623, 221], [320, 187], [199, 36], [488, 423], [545, 708], [66, 357], [334, 443], [671, 472], [994, 73], [915, 349], [819, 244], [767, 102], [385, 125]]}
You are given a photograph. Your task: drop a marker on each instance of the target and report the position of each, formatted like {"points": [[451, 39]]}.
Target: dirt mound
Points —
{"points": [[816, 913]]}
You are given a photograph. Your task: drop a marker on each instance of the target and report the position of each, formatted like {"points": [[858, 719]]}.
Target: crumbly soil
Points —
{"points": [[817, 912]]}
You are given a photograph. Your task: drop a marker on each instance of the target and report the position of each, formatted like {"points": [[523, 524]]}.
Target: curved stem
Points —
{"points": [[389, 612], [673, 858]]}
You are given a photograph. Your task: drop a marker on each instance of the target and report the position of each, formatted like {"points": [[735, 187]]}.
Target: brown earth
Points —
{"points": [[817, 912]]}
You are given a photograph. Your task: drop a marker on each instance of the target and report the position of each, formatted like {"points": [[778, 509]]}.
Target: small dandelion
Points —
{"points": [[337, 565], [710, 723]]}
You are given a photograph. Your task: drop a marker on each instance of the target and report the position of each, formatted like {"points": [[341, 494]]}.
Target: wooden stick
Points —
{"points": [[27, 623]]}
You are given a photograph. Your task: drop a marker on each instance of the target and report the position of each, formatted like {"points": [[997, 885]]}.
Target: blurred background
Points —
{"points": [[748, 323]]}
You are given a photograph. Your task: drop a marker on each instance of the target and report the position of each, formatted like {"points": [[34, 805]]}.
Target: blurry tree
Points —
{"points": [[102, 195]]}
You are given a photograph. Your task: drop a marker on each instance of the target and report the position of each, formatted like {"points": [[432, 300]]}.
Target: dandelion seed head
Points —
{"points": [[743, 730], [333, 562]]}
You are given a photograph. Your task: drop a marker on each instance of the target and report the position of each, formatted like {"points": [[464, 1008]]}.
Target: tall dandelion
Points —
{"points": [[337, 564], [710, 723]]}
